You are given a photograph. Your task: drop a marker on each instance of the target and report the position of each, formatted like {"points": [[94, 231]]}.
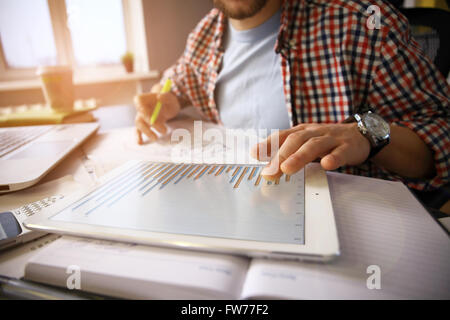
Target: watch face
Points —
{"points": [[376, 125]]}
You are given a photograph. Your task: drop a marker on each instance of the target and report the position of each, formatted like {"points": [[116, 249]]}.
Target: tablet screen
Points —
{"points": [[223, 201]]}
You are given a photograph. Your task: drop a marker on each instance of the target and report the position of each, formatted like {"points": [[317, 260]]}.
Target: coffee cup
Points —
{"points": [[58, 88]]}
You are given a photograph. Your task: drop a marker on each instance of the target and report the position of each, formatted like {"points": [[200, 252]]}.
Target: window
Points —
{"points": [[26, 35], [90, 35], [97, 30]]}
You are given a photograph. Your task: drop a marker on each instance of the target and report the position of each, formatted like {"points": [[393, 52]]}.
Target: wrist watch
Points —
{"points": [[374, 128]]}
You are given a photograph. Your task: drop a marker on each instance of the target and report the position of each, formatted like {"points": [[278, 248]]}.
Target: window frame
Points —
{"points": [[135, 42]]}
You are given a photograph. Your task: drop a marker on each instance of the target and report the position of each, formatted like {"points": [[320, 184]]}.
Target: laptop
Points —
{"points": [[28, 153]]}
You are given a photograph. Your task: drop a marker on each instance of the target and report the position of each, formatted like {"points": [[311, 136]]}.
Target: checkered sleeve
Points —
{"points": [[408, 90], [177, 73], [192, 76]]}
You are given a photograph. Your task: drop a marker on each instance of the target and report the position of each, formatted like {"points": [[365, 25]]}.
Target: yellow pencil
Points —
{"points": [[165, 89]]}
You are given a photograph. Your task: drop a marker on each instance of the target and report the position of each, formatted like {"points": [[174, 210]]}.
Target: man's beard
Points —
{"points": [[241, 9]]}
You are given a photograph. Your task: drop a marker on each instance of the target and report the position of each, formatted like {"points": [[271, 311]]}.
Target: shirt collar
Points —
{"points": [[287, 8], [286, 35]]}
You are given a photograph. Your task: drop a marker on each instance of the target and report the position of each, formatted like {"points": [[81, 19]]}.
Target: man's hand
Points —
{"points": [[335, 144], [145, 103]]}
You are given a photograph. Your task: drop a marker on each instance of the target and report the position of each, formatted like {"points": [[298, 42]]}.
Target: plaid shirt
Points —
{"points": [[333, 65]]}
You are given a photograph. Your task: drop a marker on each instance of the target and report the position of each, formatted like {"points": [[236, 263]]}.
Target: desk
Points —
{"points": [[408, 244]]}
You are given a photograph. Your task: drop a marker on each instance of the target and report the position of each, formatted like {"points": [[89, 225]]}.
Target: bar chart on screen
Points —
{"points": [[216, 200]]}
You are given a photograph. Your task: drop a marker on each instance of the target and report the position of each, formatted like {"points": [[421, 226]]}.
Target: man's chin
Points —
{"points": [[240, 9]]}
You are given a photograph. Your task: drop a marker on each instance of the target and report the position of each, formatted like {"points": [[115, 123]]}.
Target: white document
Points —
{"points": [[61, 186], [383, 231], [187, 141], [75, 164]]}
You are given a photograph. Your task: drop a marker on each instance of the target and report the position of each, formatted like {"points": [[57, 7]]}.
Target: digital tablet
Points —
{"points": [[209, 207]]}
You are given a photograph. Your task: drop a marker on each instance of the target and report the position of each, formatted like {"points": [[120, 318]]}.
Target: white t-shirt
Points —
{"points": [[249, 89]]}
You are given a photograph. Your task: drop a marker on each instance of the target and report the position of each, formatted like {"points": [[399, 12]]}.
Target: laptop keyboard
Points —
{"points": [[14, 138]]}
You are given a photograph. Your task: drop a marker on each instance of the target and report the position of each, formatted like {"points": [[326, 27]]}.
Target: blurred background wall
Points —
{"points": [[168, 24]]}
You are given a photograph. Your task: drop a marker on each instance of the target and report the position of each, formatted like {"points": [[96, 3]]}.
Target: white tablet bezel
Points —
{"points": [[321, 240]]}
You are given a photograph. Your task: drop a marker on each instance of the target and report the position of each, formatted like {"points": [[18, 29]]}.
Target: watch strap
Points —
{"points": [[375, 150]]}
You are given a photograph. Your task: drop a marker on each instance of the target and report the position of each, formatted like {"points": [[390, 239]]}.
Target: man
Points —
{"points": [[314, 68]]}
